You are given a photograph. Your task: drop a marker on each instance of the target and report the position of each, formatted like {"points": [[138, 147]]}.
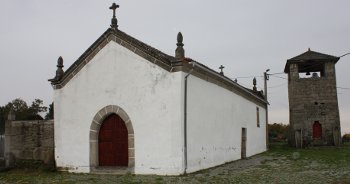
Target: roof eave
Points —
{"points": [[243, 89], [295, 60]]}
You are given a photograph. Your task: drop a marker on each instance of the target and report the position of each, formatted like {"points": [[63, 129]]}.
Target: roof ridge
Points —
{"points": [[125, 38], [140, 48], [143, 46], [313, 52], [86, 53]]}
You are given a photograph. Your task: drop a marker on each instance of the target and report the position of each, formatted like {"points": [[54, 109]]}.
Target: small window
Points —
{"points": [[257, 117]]}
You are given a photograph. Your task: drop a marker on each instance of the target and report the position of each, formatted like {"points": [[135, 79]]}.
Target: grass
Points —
{"points": [[281, 164], [329, 156]]}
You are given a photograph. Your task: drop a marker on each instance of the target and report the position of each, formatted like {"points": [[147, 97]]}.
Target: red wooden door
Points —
{"points": [[317, 130], [113, 142]]}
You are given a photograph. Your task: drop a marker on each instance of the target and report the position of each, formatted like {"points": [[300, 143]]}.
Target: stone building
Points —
{"points": [[313, 103], [128, 106]]}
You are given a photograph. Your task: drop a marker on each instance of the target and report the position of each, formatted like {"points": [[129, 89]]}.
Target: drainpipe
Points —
{"points": [[185, 118]]}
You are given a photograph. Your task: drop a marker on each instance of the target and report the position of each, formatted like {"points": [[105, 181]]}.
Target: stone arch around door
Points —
{"points": [[94, 132]]}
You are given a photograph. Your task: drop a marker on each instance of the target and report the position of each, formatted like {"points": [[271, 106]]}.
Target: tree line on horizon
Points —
{"points": [[278, 132], [23, 111]]}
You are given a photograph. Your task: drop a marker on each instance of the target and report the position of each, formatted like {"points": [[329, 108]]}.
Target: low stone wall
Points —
{"points": [[29, 140], [2, 145]]}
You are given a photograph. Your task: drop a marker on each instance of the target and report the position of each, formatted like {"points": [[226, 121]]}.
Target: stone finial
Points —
{"points": [[221, 70], [59, 71], [114, 21], [254, 83], [11, 116], [179, 52]]}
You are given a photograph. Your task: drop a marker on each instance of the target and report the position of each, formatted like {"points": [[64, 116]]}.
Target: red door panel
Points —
{"points": [[113, 142], [317, 130]]}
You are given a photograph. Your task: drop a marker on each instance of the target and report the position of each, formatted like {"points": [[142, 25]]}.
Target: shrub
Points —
{"points": [[346, 137]]}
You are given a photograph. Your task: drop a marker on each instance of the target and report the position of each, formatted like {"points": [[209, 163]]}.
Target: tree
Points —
{"points": [[50, 114], [278, 132], [346, 138], [19, 107], [37, 107], [22, 111]]}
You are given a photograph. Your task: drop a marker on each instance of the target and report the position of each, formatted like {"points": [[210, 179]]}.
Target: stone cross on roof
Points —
{"points": [[114, 19], [221, 69]]}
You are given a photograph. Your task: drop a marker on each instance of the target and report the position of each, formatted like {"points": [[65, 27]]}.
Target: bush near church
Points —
{"points": [[278, 132], [346, 137]]}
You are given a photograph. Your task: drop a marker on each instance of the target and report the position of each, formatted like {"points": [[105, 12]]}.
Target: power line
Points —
{"points": [[252, 76], [275, 73], [279, 77], [344, 55], [244, 77]]}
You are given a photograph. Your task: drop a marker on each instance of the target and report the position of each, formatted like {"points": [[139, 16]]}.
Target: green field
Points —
{"points": [[281, 164]]}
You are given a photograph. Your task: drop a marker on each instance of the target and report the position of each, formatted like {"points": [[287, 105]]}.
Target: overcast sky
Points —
{"points": [[247, 37]]}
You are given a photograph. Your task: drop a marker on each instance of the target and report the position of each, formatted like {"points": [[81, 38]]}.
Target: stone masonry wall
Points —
{"points": [[29, 140], [2, 145], [314, 99]]}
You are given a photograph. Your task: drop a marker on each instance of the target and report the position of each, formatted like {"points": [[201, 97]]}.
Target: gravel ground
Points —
{"points": [[279, 165]]}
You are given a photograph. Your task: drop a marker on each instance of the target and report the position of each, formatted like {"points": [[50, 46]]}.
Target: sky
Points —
{"points": [[245, 36]]}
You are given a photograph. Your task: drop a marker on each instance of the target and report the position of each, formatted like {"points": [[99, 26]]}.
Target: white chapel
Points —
{"points": [[125, 106]]}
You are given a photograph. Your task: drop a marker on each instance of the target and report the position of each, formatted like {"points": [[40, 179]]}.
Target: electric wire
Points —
{"points": [[276, 75], [344, 55], [279, 77]]}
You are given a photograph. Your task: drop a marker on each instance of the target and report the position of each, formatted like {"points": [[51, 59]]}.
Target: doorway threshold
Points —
{"points": [[113, 170]]}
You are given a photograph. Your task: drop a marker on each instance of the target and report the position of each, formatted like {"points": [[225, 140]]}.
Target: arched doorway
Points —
{"points": [[317, 130], [113, 142], [95, 127]]}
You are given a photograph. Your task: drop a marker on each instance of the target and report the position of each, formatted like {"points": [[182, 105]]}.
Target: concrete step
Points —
{"points": [[112, 170]]}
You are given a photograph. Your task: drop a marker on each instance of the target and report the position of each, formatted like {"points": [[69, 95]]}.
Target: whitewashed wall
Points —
{"points": [[151, 96], [216, 117], [153, 99]]}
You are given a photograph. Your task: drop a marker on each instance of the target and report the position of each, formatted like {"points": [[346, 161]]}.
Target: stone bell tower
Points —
{"points": [[313, 103]]}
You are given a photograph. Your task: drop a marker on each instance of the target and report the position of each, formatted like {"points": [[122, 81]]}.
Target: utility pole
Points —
{"points": [[266, 78]]}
